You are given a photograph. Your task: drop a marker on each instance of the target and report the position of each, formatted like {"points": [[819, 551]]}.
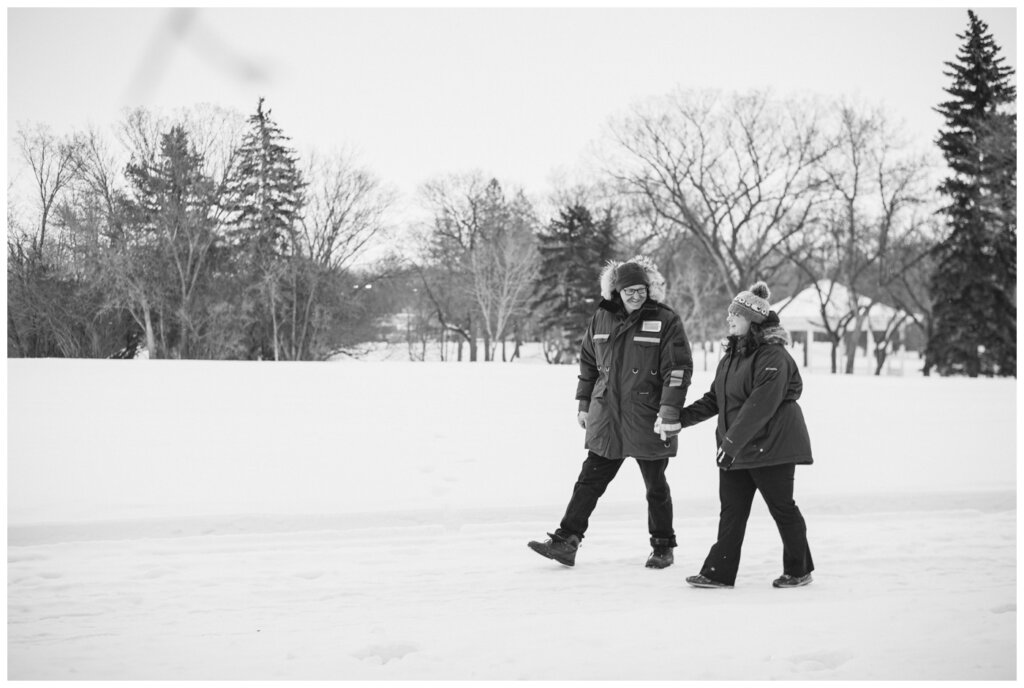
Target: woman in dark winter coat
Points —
{"points": [[635, 368], [761, 437]]}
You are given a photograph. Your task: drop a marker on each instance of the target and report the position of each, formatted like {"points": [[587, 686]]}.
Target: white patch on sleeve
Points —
{"points": [[651, 326]]}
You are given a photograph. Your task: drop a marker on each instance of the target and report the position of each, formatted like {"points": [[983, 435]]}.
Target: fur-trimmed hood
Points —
{"points": [[656, 283], [777, 334]]}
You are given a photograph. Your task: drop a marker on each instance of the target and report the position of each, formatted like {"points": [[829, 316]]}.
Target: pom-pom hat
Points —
{"points": [[753, 303]]}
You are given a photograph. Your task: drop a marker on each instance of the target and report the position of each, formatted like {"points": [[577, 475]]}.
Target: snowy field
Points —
{"points": [[194, 520]]}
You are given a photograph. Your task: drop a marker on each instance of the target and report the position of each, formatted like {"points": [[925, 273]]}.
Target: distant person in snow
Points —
{"points": [[761, 437], [635, 368]]}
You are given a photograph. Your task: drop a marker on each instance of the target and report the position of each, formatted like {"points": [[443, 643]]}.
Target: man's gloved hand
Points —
{"points": [[722, 459], [667, 424], [581, 418]]}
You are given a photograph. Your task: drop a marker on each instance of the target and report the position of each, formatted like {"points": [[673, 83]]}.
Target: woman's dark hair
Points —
{"points": [[754, 337]]}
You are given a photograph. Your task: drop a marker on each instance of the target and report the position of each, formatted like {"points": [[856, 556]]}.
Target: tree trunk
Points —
{"points": [[928, 363], [165, 347], [273, 322], [851, 350], [12, 332], [880, 360]]}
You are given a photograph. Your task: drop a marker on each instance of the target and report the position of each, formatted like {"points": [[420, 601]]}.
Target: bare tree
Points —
{"points": [[504, 265], [909, 266], [694, 290], [344, 211], [456, 203], [343, 215], [877, 186], [53, 161], [737, 172], [482, 254], [42, 312]]}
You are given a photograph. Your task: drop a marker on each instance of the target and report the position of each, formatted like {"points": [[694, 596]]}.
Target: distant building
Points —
{"points": [[801, 315]]}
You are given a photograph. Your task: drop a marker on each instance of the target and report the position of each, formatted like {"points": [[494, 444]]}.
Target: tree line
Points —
{"points": [[214, 240]]}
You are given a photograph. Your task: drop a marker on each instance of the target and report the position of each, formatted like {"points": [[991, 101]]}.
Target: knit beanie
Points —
{"points": [[753, 303], [628, 274]]}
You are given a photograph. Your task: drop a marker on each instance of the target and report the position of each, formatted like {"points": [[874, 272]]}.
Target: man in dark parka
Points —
{"points": [[635, 369]]}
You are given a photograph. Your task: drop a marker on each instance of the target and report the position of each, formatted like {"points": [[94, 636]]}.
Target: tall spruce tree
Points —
{"points": [[574, 249], [265, 197], [171, 211], [973, 287]]}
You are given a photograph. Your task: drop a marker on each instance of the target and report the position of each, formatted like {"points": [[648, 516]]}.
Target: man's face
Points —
{"points": [[633, 297]]}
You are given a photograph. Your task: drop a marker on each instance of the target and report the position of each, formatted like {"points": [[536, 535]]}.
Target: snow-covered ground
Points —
{"points": [[194, 520]]}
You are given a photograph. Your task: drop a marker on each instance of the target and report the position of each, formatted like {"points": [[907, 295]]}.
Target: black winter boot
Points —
{"points": [[661, 557], [788, 581], [702, 581], [561, 549]]}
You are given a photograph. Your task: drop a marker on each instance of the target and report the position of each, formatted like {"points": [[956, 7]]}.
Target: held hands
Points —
{"points": [[667, 424], [667, 428]]}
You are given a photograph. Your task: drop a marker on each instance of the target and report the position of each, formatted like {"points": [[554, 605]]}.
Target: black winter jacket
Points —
{"points": [[630, 366], [754, 395]]}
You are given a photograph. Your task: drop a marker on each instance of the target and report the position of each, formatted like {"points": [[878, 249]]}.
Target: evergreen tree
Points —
{"points": [[171, 213], [974, 284], [574, 250], [265, 197]]}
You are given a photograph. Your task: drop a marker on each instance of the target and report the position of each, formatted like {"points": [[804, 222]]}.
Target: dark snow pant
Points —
{"points": [[736, 490], [597, 473]]}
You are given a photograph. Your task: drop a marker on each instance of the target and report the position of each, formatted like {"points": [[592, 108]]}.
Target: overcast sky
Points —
{"points": [[515, 93]]}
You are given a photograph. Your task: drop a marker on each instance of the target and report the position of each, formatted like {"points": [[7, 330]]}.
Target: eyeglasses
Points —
{"points": [[638, 291]]}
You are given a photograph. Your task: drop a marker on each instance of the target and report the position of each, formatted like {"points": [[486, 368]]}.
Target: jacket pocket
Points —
{"points": [[649, 397], [760, 445], [645, 355], [601, 349]]}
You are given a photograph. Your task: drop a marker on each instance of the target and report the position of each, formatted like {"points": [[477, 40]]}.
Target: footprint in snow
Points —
{"points": [[385, 653], [309, 575], [820, 661]]}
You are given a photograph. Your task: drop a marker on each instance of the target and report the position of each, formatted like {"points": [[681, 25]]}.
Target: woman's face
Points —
{"points": [[738, 325], [633, 297]]}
